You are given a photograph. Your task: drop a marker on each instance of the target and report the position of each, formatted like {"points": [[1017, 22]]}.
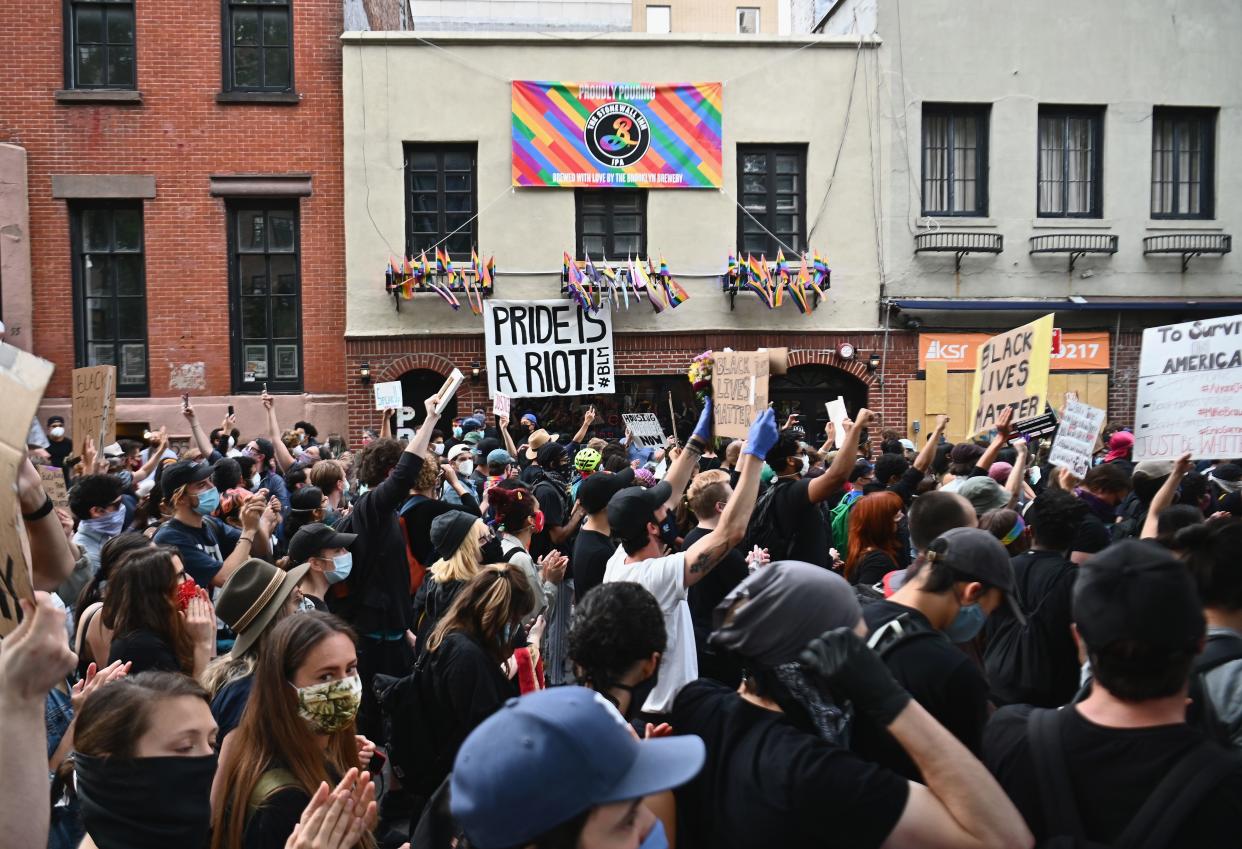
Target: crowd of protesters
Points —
{"points": [[491, 635]]}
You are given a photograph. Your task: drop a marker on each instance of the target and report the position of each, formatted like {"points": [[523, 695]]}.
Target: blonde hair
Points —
{"points": [[428, 474], [464, 563], [705, 490], [226, 669], [326, 474]]}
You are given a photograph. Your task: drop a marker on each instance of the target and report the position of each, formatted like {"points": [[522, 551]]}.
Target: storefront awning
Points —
{"points": [[1069, 305]]}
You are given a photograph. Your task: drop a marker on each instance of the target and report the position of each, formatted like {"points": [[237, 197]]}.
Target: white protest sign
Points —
{"points": [[1190, 391], [645, 428], [388, 395], [540, 348], [501, 405], [837, 414], [1075, 440]]}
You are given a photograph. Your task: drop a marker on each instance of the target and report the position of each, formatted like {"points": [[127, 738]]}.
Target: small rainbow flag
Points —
{"points": [[823, 274], [424, 267], [782, 267], [490, 268], [732, 266], [442, 262], [752, 281]]}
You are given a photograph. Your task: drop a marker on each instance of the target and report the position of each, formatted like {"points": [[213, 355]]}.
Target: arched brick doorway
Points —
{"points": [[806, 387]]}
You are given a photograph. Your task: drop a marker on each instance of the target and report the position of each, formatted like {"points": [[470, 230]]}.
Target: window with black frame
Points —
{"points": [[772, 187], [611, 223], [265, 296], [955, 159], [258, 46], [99, 44], [1183, 163], [1070, 161], [110, 291], [441, 199]]}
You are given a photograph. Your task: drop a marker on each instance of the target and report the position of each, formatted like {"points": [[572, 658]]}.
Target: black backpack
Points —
{"points": [[765, 528], [412, 740], [896, 632], [1192, 778], [1017, 659], [1219, 650]]}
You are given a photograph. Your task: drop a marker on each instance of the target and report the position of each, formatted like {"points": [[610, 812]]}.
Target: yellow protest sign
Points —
{"points": [[1012, 371]]}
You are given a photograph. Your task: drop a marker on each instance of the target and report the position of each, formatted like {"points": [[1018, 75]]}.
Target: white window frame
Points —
{"points": [[668, 19]]}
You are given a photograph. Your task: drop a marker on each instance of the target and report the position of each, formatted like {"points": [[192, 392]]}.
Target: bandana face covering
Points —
{"points": [[117, 797], [330, 706], [831, 722], [187, 590]]}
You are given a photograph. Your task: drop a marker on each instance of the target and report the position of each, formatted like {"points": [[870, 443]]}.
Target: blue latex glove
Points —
{"points": [[703, 430], [763, 435]]}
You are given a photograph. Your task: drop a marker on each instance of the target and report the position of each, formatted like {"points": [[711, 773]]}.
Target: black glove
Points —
{"points": [[855, 672]]}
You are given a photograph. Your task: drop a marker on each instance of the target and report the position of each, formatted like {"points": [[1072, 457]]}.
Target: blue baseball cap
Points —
{"points": [[547, 757], [499, 456], [471, 424], [530, 417]]}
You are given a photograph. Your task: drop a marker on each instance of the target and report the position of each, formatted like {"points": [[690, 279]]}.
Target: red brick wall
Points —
{"points": [[1123, 379], [181, 135], [636, 354]]}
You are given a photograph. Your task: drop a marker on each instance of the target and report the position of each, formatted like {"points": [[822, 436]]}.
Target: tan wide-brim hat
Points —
{"points": [[538, 439], [251, 597]]}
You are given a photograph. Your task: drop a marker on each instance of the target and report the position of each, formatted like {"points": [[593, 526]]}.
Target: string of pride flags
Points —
{"points": [[592, 285]]}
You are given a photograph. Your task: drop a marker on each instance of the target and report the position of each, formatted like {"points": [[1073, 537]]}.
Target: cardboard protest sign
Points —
{"points": [[1075, 441], [739, 391], [448, 390], [1012, 371], [54, 486], [1190, 391], [23, 377], [645, 428], [94, 406], [540, 348], [501, 405], [388, 395]]}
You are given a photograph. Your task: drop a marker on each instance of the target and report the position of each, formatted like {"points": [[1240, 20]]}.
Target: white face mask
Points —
{"points": [[806, 466], [254, 480], [465, 467], [56, 432], [438, 447]]}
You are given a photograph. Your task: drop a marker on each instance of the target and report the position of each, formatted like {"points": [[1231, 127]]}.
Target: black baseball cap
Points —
{"points": [[597, 490], [181, 473], [314, 538], [632, 508], [977, 554], [1137, 591]]}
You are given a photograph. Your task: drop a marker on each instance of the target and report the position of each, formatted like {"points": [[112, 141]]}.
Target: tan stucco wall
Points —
{"points": [[15, 246], [707, 15], [1125, 55], [398, 89]]}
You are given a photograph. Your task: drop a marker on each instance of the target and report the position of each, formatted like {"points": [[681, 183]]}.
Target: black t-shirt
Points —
{"points": [[703, 598], [146, 650], [591, 553], [552, 495], [1045, 582], [873, 567], [58, 451], [273, 821], [939, 676], [809, 531], [418, 516], [1112, 771], [767, 783]]}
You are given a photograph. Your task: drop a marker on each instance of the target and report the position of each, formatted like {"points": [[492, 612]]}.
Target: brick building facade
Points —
{"points": [[187, 146]]}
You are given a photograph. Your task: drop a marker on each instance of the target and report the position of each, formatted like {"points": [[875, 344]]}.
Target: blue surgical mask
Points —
{"points": [[342, 565], [967, 624], [345, 489], [507, 634], [457, 433], [108, 525], [208, 501], [656, 838]]}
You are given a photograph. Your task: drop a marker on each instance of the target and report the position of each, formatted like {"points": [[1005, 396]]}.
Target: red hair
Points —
{"points": [[872, 528]]}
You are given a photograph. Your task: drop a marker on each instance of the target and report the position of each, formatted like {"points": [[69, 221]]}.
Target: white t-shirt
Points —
{"points": [[664, 578]]}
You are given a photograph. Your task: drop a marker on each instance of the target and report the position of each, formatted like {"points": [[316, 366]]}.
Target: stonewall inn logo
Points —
{"points": [[617, 134]]}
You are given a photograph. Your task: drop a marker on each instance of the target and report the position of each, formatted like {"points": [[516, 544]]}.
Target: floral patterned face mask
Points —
{"points": [[332, 705]]}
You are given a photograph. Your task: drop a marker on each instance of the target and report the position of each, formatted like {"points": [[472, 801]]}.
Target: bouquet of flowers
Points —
{"points": [[700, 375]]}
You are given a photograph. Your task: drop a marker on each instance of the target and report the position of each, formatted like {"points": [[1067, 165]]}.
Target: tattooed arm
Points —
{"points": [[703, 556]]}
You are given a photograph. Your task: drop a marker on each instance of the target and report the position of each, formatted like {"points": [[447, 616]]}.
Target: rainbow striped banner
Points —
{"points": [[648, 135]]}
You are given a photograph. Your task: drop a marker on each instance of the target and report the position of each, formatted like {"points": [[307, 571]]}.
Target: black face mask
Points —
{"points": [[638, 695], [492, 551], [146, 803]]}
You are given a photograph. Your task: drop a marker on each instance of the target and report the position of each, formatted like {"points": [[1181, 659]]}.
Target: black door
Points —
{"points": [[806, 389]]}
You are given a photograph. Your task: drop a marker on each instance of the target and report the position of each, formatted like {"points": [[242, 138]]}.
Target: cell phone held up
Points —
{"points": [[231, 410]]}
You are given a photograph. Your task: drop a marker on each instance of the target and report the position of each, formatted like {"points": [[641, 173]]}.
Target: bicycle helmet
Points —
{"points": [[587, 460]]}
